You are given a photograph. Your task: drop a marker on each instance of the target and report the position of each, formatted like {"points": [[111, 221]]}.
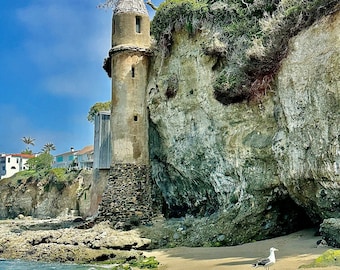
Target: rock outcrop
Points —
{"points": [[45, 196], [330, 231], [47, 240], [307, 143], [264, 165]]}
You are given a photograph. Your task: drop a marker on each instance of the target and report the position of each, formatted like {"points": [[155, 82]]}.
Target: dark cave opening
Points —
{"points": [[178, 211], [175, 211], [287, 217], [282, 216]]}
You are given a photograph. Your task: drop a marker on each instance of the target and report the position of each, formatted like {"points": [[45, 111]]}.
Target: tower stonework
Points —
{"points": [[127, 197]]}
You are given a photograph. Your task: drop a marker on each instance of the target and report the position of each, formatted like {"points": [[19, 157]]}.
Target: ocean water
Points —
{"points": [[25, 265]]}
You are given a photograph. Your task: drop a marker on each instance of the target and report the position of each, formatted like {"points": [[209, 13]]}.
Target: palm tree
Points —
{"points": [[48, 147], [29, 141]]}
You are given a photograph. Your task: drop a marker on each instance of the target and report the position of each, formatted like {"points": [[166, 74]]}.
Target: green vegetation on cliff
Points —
{"points": [[57, 177], [32, 193], [40, 162], [255, 34]]}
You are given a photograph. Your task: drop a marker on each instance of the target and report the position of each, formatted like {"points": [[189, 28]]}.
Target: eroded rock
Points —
{"points": [[70, 244]]}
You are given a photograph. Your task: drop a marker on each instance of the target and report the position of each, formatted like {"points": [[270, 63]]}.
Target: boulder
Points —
{"points": [[330, 231]]}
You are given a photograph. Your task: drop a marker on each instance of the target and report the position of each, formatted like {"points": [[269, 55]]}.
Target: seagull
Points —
{"points": [[267, 261]]}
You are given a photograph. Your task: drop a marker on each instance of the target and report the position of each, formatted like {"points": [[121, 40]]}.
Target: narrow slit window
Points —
{"points": [[135, 118], [138, 24], [113, 26], [133, 72]]}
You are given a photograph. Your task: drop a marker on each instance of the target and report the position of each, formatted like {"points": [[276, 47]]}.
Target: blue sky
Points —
{"points": [[51, 56]]}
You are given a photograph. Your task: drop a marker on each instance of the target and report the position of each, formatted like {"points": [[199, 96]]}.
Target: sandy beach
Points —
{"points": [[294, 250]]}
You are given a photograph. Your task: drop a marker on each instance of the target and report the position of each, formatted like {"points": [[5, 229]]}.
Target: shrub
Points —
{"points": [[41, 162], [255, 33], [59, 173], [176, 14], [25, 174]]}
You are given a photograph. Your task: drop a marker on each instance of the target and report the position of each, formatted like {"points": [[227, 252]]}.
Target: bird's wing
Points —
{"points": [[263, 262]]}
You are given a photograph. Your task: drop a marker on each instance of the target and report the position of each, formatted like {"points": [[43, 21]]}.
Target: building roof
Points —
{"points": [[19, 155], [85, 150], [73, 152], [130, 6]]}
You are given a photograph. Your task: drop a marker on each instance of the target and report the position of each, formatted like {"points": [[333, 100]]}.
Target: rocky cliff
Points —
{"points": [[267, 167], [46, 196], [307, 143]]}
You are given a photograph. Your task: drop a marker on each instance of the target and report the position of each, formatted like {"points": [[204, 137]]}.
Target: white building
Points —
{"points": [[75, 159], [10, 164]]}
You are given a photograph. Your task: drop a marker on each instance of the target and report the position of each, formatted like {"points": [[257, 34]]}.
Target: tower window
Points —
{"points": [[132, 72], [138, 24], [113, 26], [135, 118]]}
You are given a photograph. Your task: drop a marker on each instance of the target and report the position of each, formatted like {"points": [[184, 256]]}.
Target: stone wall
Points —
{"points": [[127, 197]]}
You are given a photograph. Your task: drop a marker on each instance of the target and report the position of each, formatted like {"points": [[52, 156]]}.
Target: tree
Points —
{"points": [[48, 147], [28, 141], [96, 108], [151, 5], [41, 162]]}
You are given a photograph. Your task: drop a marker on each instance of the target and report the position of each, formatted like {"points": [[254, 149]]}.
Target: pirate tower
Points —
{"points": [[128, 193]]}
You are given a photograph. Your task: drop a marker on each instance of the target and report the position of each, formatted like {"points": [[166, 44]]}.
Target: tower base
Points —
{"points": [[127, 201]]}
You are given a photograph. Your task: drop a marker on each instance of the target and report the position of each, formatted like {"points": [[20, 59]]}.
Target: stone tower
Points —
{"points": [[127, 197], [129, 69]]}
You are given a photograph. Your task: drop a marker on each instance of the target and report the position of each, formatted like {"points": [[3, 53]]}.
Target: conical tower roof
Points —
{"points": [[130, 6]]}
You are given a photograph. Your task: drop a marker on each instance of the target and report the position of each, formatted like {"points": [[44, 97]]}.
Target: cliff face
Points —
{"points": [[45, 197], [307, 142], [263, 164]]}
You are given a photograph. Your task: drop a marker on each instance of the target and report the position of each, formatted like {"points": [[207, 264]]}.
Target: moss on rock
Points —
{"points": [[329, 258]]}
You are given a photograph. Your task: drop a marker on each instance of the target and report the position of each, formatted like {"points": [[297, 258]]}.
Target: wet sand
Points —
{"points": [[294, 250]]}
